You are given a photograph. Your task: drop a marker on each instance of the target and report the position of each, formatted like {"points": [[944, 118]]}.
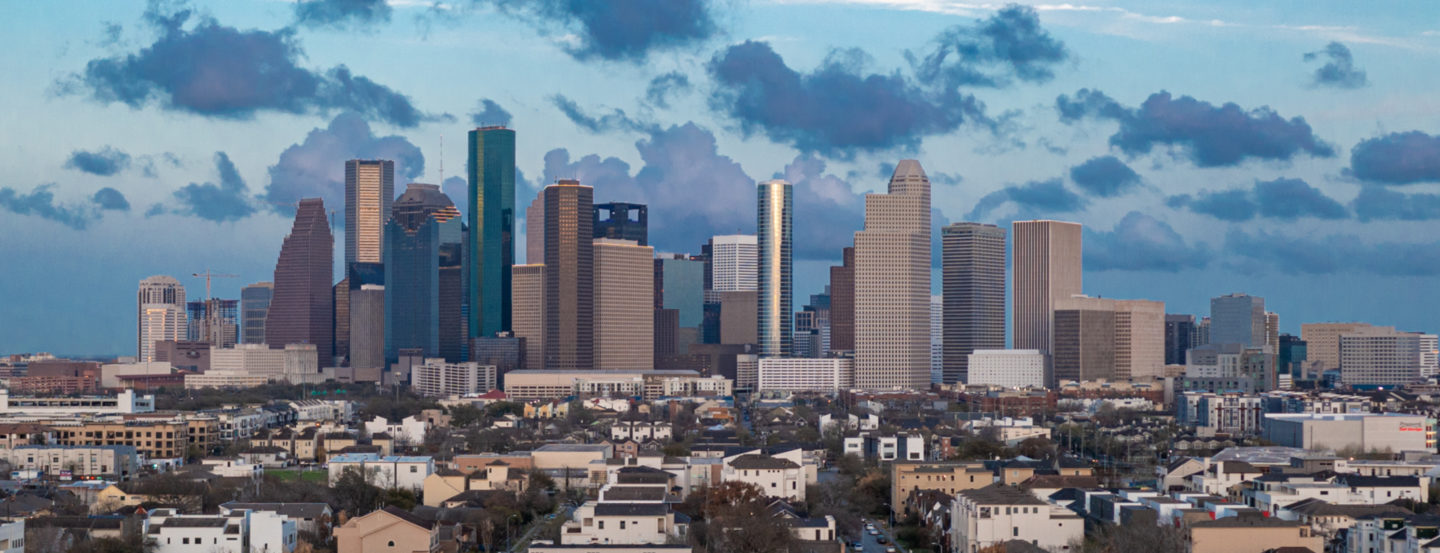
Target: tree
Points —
{"points": [[850, 465], [354, 494], [1036, 448], [465, 415], [676, 449], [736, 521]]}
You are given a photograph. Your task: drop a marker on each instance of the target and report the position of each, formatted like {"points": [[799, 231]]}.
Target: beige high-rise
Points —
{"points": [[892, 284], [624, 305], [535, 231], [1047, 267], [160, 314], [369, 192], [1322, 341], [1101, 338], [527, 311]]}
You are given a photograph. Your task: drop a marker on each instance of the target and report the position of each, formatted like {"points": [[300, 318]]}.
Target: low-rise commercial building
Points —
{"points": [[114, 462], [1393, 432], [1010, 368], [125, 402], [438, 378], [796, 374], [385, 472]]}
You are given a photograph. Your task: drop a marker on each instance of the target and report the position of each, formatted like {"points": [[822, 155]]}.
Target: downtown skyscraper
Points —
{"points": [[892, 284], [422, 260], [774, 209], [973, 286], [369, 191], [302, 310], [1047, 268], [159, 314], [491, 214], [1238, 319], [569, 294]]}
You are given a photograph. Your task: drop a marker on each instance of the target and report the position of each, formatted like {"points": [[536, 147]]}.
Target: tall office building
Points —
{"points": [[1375, 359], [1179, 329], [774, 209], [302, 310], [892, 284], [159, 314], [535, 230], [369, 190], [1201, 335], [569, 276], [213, 321], [491, 212], [1047, 267], [1291, 355], [254, 303], [1238, 319], [937, 339], [1101, 338], [973, 284], [1272, 330], [1322, 341], [528, 312], [680, 285], [422, 241], [341, 325], [367, 326], [842, 302], [624, 307], [622, 221], [734, 263]]}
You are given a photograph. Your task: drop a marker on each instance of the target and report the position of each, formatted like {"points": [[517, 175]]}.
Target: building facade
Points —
{"points": [[734, 263], [159, 313], [1178, 332], [440, 378], [1047, 267], [254, 304], [369, 190], [774, 212], [796, 374], [622, 221], [302, 310], [569, 276], [491, 212], [624, 305], [892, 284], [973, 285], [423, 241], [1101, 338], [1238, 319], [1011, 368], [528, 312]]}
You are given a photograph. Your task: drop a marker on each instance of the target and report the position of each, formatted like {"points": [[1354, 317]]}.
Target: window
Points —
{"points": [[414, 469], [622, 525], [600, 524], [1015, 531], [391, 544], [185, 541]]}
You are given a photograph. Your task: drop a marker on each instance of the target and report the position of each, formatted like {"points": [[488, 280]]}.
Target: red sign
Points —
{"points": [[1404, 428]]}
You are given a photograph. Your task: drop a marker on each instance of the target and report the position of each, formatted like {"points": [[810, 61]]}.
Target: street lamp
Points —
{"points": [[509, 536]]}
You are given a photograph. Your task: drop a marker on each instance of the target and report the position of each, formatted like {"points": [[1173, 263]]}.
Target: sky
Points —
{"points": [[1289, 150]]}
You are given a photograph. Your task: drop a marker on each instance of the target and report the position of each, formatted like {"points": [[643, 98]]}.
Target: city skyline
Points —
{"points": [[1318, 208]]}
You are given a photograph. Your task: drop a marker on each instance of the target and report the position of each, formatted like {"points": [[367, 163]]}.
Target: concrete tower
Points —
{"points": [[892, 284], [1047, 268]]}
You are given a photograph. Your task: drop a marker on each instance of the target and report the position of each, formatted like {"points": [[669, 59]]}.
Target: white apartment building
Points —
{"points": [[12, 536], [990, 516], [747, 372], [125, 402], [641, 431], [829, 375], [778, 477], [225, 379], [385, 472], [319, 410], [250, 532], [160, 314], [408, 431], [1011, 368], [1381, 359], [437, 378], [118, 462], [295, 364]]}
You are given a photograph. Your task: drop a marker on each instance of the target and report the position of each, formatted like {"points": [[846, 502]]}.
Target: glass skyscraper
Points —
{"points": [[254, 302], [491, 213], [422, 240], [773, 210]]}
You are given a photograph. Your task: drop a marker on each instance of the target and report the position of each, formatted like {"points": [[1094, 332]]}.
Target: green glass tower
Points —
{"points": [[491, 214]]}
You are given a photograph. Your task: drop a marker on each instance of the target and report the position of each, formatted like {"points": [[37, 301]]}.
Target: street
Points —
{"points": [[872, 543]]}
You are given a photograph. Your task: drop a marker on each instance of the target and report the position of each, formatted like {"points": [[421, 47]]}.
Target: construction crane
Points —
{"points": [[209, 275]]}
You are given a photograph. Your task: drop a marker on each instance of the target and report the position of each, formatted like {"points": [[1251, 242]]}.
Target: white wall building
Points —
{"points": [[104, 461], [747, 372], [777, 476], [160, 314], [249, 532], [830, 374], [224, 379], [124, 402], [110, 373], [641, 431], [12, 536], [990, 516], [734, 263], [1394, 432], [437, 378], [386, 472], [1011, 368], [296, 363], [410, 431]]}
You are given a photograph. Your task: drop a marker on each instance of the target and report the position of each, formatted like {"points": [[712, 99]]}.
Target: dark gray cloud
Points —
{"points": [[1104, 176], [110, 199], [1008, 46], [1047, 196], [1339, 253], [1140, 242], [315, 168], [1339, 70], [615, 120], [836, 110], [487, 112], [1207, 135], [1397, 158], [1284, 199], [104, 162], [228, 200], [1379, 203], [827, 209], [664, 87], [341, 13], [217, 71], [626, 30]]}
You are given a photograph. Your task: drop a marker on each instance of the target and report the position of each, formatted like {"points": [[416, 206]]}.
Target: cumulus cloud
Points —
{"points": [[1047, 196], [1339, 253], [1010, 45], [341, 13], [1339, 70], [213, 70], [1380, 203], [1397, 158], [664, 87], [316, 167], [104, 162], [1285, 199], [827, 209], [1206, 134], [624, 30], [110, 199], [1140, 242], [886, 169], [40, 202], [227, 200], [615, 119], [836, 109], [487, 112], [1104, 176]]}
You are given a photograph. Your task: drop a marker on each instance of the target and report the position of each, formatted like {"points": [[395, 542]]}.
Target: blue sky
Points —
{"points": [[1287, 150]]}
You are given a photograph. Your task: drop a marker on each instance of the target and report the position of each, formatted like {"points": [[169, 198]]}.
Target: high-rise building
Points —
{"points": [[535, 230], [774, 209], [1238, 319], [422, 238], [491, 212], [1272, 330], [369, 189], [622, 221], [1101, 338], [680, 285], [737, 317], [528, 312], [213, 321], [1201, 335], [1380, 359], [367, 326], [254, 303], [441, 378], [842, 303], [341, 324], [302, 310], [973, 286], [734, 263], [1047, 267], [624, 308], [892, 284], [1429, 355], [1179, 329], [569, 276], [159, 314], [1291, 355], [937, 339], [1322, 341]]}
